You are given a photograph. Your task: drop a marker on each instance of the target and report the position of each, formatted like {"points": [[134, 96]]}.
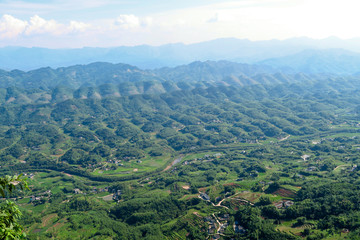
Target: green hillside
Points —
{"points": [[269, 156]]}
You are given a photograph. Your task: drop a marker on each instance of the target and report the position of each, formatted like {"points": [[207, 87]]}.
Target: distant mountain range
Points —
{"points": [[171, 55], [334, 61], [102, 80], [96, 74]]}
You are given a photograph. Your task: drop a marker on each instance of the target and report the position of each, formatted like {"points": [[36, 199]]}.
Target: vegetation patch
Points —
{"points": [[285, 193]]}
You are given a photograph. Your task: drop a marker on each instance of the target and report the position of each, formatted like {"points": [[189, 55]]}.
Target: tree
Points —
{"points": [[264, 200], [9, 212]]}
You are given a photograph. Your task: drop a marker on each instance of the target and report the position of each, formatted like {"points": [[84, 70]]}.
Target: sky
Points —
{"points": [[107, 23]]}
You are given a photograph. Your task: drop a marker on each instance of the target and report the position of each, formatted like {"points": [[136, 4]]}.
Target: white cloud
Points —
{"points": [[76, 27], [39, 25], [102, 26], [127, 21], [146, 22], [11, 27], [261, 20], [131, 21], [213, 19]]}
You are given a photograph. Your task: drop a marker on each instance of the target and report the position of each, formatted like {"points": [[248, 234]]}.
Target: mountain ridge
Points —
{"points": [[99, 73], [169, 55], [219, 73], [310, 61]]}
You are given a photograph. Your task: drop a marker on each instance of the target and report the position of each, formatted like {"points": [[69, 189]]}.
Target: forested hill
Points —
{"points": [[99, 80], [74, 76], [335, 61], [100, 143], [18, 95], [106, 73]]}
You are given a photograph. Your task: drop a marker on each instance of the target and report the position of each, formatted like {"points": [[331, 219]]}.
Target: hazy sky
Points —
{"points": [[103, 23]]}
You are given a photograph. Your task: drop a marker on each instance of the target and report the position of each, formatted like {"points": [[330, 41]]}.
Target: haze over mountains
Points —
{"points": [[196, 73], [283, 62], [238, 50], [277, 125], [101, 80]]}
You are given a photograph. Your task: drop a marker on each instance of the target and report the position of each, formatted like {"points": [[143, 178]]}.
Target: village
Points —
{"points": [[217, 223]]}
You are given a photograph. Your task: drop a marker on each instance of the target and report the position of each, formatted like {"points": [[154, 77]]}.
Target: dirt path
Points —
{"points": [[243, 200], [177, 160], [220, 225], [97, 138], [285, 138], [345, 165], [305, 157], [219, 203]]}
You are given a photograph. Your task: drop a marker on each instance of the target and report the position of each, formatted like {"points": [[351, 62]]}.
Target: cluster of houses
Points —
{"points": [[266, 183], [29, 175], [246, 140], [105, 166], [206, 158], [283, 204], [173, 169], [115, 161], [218, 224], [297, 175], [311, 169], [238, 228], [94, 190], [353, 168], [224, 222], [99, 190], [117, 195], [34, 199], [78, 191], [204, 196], [212, 225]]}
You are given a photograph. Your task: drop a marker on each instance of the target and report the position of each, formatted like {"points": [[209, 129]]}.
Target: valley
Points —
{"points": [[179, 120], [270, 161]]}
